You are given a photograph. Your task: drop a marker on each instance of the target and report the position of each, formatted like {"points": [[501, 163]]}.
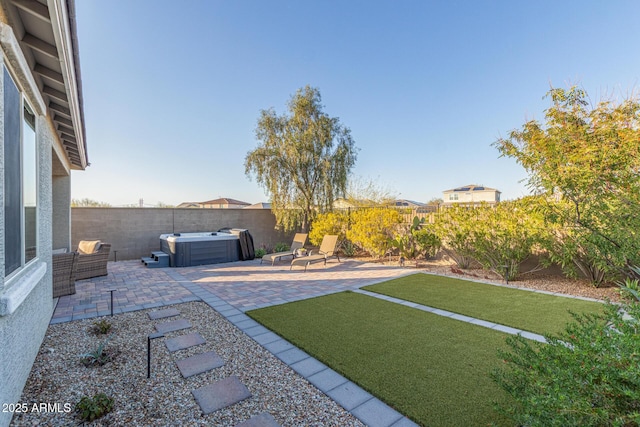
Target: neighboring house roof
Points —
{"points": [[188, 205], [259, 205], [225, 201], [408, 203], [471, 187], [352, 203], [49, 38]]}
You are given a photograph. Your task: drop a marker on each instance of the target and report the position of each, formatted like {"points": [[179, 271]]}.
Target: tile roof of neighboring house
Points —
{"points": [[188, 205], [225, 201], [471, 187]]}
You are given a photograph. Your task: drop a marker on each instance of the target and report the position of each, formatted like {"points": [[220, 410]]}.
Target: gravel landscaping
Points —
{"points": [[59, 376]]}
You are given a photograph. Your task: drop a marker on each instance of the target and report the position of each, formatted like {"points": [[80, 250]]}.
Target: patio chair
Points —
{"points": [[92, 263], [298, 243], [64, 267], [326, 251]]}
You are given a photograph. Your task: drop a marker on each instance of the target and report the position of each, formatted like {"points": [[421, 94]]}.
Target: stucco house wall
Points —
{"points": [[471, 194], [26, 296]]}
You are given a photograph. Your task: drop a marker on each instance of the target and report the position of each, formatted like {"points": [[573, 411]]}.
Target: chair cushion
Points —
{"points": [[88, 246]]}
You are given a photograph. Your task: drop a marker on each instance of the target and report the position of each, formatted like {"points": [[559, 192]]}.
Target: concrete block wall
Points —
{"points": [[134, 232]]}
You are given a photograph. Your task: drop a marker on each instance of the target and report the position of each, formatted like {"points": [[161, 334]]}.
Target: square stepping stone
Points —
{"points": [[199, 363], [184, 341], [220, 394], [264, 419], [175, 325], [161, 314]]}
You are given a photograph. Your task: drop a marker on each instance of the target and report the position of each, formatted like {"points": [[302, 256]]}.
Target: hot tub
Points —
{"points": [[187, 249]]}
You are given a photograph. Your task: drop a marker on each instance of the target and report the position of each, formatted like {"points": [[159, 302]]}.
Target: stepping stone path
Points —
{"points": [[162, 314], [184, 341], [221, 394], [199, 363], [173, 326], [263, 420], [212, 397]]}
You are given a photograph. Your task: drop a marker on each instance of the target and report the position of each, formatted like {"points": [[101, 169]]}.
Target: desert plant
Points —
{"points": [[453, 227], [92, 408], [428, 242], [348, 248], [260, 252], [588, 375], [99, 356], [101, 327], [281, 247], [405, 240]]}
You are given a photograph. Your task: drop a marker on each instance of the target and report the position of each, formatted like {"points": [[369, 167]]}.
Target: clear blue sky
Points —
{"points": [[173, 90]]}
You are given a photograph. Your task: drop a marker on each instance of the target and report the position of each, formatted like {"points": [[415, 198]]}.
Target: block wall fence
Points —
{"points": [[134, 232]]}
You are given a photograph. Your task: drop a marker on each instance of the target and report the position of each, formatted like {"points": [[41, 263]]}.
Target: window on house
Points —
{"points": [[20, 179], [453, 196]]}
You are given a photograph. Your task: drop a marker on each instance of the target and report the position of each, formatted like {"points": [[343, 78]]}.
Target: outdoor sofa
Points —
{"points": [[92, 259]]}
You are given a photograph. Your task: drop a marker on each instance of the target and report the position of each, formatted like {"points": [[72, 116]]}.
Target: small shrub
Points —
{"points": [[428, 242], [260, 253], [589, 375], [628, 288], [281, 247], [101, 327], [99, 356], [92, 408]]}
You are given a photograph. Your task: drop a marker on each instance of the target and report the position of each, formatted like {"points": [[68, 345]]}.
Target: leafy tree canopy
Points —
{"points": [[587, 157], [303, 159], [88, 203]]}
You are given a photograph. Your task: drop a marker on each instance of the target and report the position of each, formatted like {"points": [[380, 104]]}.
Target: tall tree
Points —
{"points": [[588, 158], [303, 159]]}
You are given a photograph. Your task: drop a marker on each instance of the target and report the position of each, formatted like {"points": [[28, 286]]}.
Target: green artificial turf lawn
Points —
{"points": [[433, 369], [530, 311]]}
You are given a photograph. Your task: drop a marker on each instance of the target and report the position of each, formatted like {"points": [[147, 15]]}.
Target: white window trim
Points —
{"points": [[20, 287]]}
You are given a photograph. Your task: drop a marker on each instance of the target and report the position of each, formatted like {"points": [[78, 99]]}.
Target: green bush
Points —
{"points": [[281, 247], [588, 375], [101, 327], [92, 408], [260, 253], [428, 242]]}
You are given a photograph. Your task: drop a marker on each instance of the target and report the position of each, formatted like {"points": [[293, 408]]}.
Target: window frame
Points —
{"points": [[14, 275]]}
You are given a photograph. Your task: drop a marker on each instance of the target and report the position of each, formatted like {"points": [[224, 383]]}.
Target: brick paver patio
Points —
{"points": [[244, 285]]}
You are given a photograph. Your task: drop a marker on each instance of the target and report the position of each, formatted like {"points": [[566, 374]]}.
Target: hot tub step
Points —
{"points": [[157, 260], [159, 254]]}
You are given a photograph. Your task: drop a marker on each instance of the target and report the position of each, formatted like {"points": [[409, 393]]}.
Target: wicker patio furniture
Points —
{"points": [[93, 264], [64, 273]]}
